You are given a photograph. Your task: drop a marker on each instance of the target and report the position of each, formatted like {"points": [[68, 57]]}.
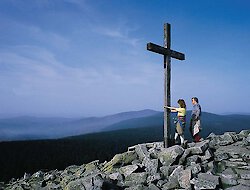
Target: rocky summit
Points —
{"points": [[218, 162]]}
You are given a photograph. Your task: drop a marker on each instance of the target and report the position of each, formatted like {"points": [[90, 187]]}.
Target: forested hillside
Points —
{"points": [[30, 156]]}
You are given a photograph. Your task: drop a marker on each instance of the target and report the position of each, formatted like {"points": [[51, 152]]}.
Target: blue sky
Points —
{"points": [[89, 58]]}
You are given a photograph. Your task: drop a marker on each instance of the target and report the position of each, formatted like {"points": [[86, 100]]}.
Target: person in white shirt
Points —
{"points": [[180, 120]]}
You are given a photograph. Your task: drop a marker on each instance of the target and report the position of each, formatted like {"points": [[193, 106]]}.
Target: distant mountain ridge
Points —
{"points": [[211, 123], [28, 128]]}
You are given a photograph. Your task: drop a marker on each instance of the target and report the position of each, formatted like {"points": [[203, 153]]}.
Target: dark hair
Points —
{"points": [[182, 103], [196, 99]]}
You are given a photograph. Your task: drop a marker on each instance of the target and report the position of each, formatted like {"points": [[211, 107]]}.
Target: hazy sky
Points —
{"points": [[89, 57]]}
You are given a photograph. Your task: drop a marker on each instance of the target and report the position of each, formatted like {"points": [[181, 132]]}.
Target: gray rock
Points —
{"points": [[220, 166], [51, 185], [91, 168], [235, 160], [142, 151], [138, 162], [184, 179], [119, 160], [73, 169], [167, 170], [208, 155], [2, 185], [79, 172], [153, 178], [128, 157], [219, 156], [244, 167], [202, 184], [209, 177], [225, 139], [245, 182], [173, 182], [135, 179], [15, 187], [192, 159], [26, 176], [195, 168], [205, 181], [168, 156], [65, 179], [246, 141], [234, 135], [38, 174], [234, 164], [211, 136], [214, 142], [160, 183], [209, 167], [244, 174], [238, 187], [154, 149], [93, 182], [177, 171], [244, 133], [246, 156], [198, 148], [228, 177], [136, 187], [116, 176], [50, 176], [154, 146], [127, 170], [184, 156], [235, 150], [229, 181], [153, 187], [151, 165]]}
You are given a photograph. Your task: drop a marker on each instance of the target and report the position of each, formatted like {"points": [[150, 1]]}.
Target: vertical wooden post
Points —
{"points": [[168, 53], [167, 81]]}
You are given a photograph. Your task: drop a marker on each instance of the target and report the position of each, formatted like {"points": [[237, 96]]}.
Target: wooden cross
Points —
{"points": [[168, 53]]}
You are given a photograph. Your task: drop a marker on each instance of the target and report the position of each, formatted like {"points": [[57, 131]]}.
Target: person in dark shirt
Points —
{"points": [[195, 123]]}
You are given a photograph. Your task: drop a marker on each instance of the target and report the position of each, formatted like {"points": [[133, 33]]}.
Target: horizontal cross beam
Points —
{"points": [[164, 51]]}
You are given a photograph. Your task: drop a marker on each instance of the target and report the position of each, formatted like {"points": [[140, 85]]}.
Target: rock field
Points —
{"points": [[218, 162]]}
